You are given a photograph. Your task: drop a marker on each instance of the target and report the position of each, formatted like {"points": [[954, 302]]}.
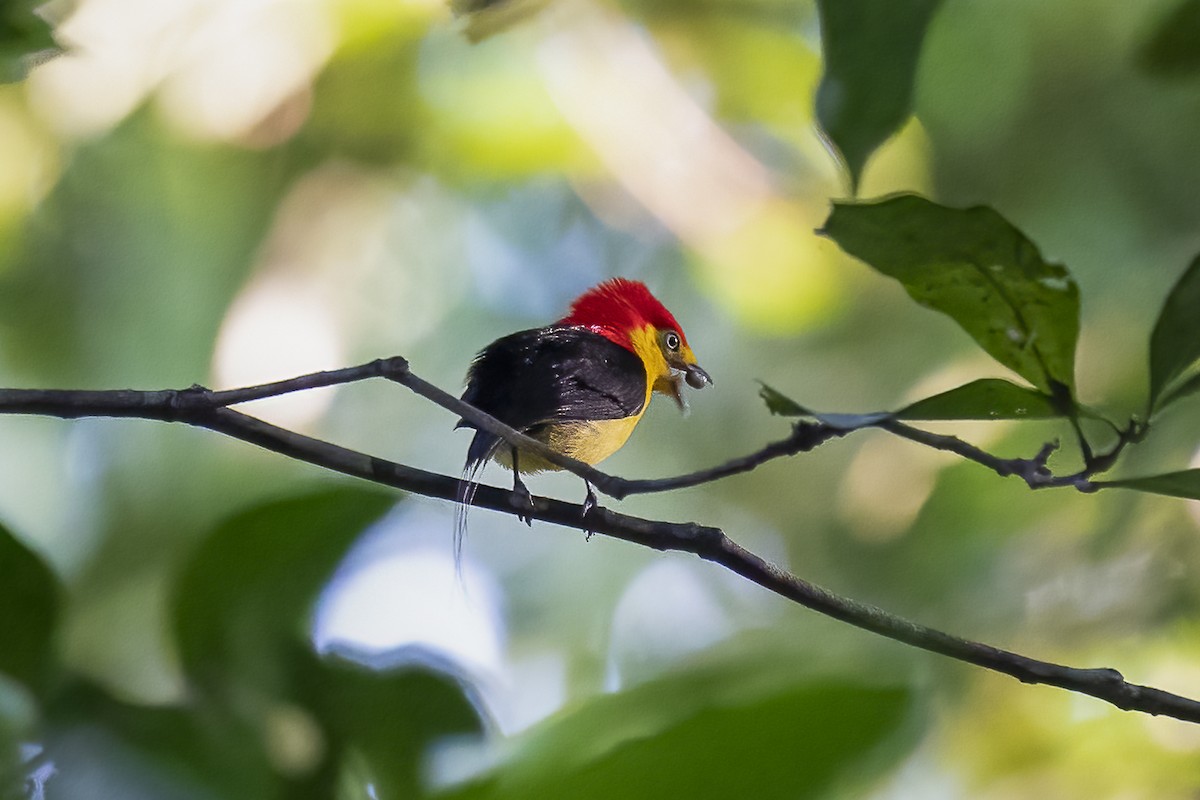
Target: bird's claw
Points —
{"points": [[590, 501], [522, 500]]}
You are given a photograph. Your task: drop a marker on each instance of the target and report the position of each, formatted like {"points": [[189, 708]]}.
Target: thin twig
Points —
{"points": [[199, 407], [805, 436], [1034, 471]]}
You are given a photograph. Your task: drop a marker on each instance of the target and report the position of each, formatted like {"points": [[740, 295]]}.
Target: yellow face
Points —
{"points": [[669, 362]]}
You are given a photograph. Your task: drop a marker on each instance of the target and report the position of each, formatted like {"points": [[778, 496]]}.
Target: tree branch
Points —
{"points": [[206, 409], [805, 436]]}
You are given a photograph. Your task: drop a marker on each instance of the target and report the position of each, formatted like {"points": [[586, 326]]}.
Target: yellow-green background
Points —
{"points": [[411, 192]]}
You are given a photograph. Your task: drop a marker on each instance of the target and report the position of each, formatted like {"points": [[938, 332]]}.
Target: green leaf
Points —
{"points": [[852, 422], [1173, 50], [487, 18], [19, 724], [988, 398], [244, 599], [1185, 483], [702, 735], [343, 715], [187, 750], [781, 404], [242, 615], [784, 406], [871, 48], [1175, 343], [29, 613], [388, 716], [1179, 391], [974, 266], [25, 40]]}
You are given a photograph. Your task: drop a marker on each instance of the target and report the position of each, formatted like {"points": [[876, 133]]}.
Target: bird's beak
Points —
{"points": [[696, 377]]}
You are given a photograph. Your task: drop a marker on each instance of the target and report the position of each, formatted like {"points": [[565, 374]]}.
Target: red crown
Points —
{"points": [[615, 308]]}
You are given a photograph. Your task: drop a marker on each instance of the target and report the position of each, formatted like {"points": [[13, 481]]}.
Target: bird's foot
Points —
{"points": [[522, 500], [590, 501]]}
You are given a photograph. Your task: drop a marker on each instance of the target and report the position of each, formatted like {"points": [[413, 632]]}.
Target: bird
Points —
{"points": [[579, 385]]}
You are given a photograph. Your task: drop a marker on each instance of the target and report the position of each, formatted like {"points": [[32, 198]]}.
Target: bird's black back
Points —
{"points": [[554, 374]]}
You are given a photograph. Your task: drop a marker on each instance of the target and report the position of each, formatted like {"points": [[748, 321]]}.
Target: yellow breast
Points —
{"points": [[592, 441], [588, 441]]}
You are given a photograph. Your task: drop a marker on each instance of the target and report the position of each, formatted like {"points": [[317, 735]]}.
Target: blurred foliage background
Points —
{"points": [[227, 192]]}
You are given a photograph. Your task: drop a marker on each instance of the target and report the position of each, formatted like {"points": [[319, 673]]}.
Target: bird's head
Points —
{"points": [[625, 312]]}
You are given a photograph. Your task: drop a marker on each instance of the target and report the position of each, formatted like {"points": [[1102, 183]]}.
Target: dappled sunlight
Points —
{"points": [[31, 462], [885, 487], [361, 244], [772, 273], [400, 590], [327, 274], [1015, 741], [28, 163], [226, 64], [1175, 671], [1090, 593], [680, 165], [667, 612], [362, 21], [233, 192], [414, 598], [920, 777], [276, 329], [754, 249], [118, 50], [901, 164], [136, 612], [248, 60], [493, 114]]}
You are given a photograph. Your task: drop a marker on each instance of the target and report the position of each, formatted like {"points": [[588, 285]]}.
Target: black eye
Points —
{"points": [[671, 340]]}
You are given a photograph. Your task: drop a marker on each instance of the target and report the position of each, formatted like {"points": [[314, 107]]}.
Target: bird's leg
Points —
{"points": [[522, 499], [590, 501]]}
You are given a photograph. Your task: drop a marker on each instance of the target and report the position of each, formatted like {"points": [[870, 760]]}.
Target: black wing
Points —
{"points": [[553, 374]]}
